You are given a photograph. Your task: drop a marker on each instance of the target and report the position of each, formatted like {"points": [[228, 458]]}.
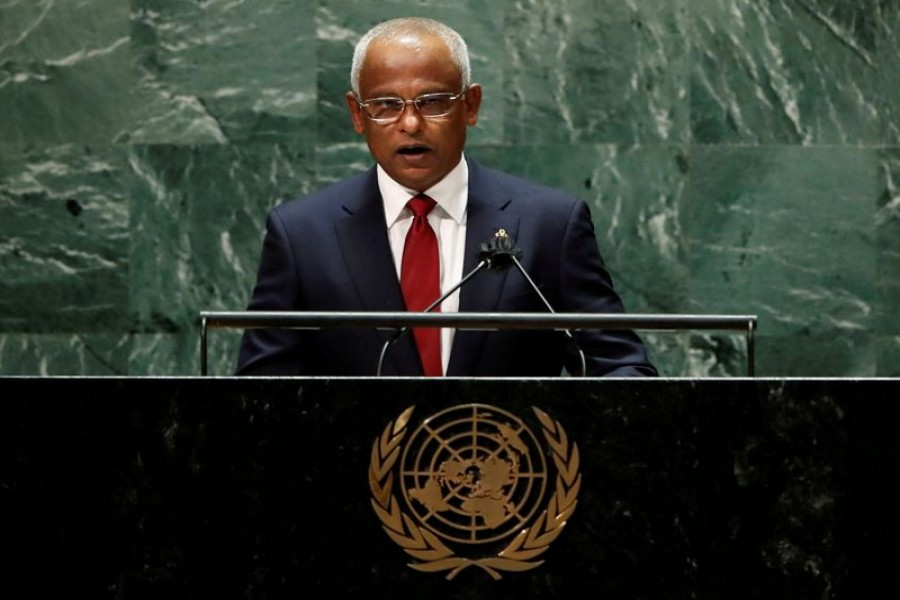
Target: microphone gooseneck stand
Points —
{"points": [[427, 309], [497, 254]]}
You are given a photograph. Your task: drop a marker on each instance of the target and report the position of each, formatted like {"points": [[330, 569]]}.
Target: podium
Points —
{"points": [[281, 487]]}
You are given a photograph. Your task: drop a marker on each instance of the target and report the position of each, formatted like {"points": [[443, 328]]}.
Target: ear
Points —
{"points": [[356, 113], [473, 103]]}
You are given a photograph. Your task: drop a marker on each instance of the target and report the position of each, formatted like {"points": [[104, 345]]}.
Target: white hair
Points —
{"points": [[396, 28]]}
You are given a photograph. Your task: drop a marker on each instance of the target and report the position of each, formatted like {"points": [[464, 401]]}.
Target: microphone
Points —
{"points": [[500, 251], [496, 254]]}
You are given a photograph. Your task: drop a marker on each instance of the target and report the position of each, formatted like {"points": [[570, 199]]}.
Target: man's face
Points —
{"points": [[415, 151]]}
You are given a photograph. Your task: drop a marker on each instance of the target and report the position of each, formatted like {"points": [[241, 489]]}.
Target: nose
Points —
{"points": [[410, 119]]}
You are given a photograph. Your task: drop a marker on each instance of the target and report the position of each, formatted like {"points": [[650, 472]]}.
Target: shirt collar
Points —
{"points": [[450, 193]]}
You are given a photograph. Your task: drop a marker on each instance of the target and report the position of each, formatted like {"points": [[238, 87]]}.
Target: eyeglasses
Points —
{"points": [[430, 106]]}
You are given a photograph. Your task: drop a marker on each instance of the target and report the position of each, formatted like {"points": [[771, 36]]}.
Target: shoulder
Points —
{"points": [[520, 193], [330, 200]]}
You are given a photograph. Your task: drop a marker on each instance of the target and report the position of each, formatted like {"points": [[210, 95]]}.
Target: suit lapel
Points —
{"points": [[486, 213], [367, 254]]}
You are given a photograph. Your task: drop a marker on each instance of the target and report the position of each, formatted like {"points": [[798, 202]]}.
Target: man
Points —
{"points": [[345, 248]]}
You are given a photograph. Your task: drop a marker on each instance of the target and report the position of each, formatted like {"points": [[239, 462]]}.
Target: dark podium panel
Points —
{"points": [[260, 488]]}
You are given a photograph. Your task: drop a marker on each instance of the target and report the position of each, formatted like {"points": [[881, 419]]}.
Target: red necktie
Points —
{"points": [[420, 280]]}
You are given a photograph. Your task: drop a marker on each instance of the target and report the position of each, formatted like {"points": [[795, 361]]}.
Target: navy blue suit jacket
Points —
{"points": [[329, 251]]}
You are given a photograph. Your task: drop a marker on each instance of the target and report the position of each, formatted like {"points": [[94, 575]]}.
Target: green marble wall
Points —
{"points": [[740, 157]]}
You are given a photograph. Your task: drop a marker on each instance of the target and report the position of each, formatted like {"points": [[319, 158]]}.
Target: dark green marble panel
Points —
{"points": [[581, 72], [65, 71], [142, 142], [225, 71], [101, 354], [810, 353], [162, 354], [888, 328], [785, 232], [788, 234], [338, 161], [198, 221], [698, 353], [63, 239], [887, 227], [888, 355], [61, 354], [812, 72]]}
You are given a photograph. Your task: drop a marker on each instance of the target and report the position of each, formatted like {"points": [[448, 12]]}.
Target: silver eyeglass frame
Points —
{"points": [[415, 101]]}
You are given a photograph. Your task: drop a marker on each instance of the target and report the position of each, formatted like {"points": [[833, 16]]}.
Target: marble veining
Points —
{"points": [[739, 157]]}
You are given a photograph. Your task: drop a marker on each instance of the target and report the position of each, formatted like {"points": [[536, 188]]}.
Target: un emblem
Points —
{"points": [[472, 482]]}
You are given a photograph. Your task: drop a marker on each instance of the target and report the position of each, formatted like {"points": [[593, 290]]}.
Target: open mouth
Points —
{"points": [[412, 150]]}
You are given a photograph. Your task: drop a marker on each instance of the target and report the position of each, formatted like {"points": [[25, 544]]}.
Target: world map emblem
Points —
{"points": [[474, 485]]}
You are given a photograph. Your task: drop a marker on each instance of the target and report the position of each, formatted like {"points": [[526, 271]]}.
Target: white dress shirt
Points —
{"points": [[447, 219]]}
